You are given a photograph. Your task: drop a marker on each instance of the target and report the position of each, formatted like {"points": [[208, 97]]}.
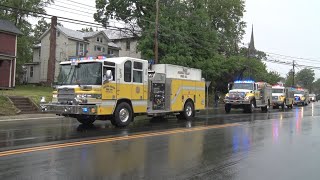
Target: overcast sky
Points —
{"points": [[286, 27]]}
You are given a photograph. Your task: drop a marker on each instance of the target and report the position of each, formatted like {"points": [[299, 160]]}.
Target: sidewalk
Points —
{"points": [[28, 116]]}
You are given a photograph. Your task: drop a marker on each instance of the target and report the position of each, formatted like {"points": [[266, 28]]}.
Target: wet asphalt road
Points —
{"points": [[276, 145]]}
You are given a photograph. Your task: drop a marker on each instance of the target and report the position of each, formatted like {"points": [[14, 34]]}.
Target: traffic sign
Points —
{"points": [[208, 83]]}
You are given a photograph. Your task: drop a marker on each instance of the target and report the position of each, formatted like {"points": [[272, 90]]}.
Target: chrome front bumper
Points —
{"points": [[277, 102], [236, 102], [70, 109]]}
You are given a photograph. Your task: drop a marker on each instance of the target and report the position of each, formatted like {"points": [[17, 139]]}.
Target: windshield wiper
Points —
{"points": [[67, 77]]}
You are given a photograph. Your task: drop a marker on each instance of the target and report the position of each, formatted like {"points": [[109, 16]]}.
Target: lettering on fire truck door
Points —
{"points": [[109, 88]]}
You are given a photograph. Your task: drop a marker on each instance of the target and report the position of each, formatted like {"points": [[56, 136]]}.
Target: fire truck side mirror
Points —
{"points": [[108, 76]]}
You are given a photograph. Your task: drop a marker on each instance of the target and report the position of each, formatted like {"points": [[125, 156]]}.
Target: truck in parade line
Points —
{"points": [[313, 98], [282, 97], [118, 89], [248, 95], [301, 97]]}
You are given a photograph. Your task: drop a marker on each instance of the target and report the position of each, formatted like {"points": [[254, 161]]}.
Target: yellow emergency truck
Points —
{"points": [[282, 97], [118, 89]]}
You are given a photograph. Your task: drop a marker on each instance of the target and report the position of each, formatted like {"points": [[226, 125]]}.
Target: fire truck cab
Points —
{"points": [[282, 97], [301, 97], [248, 95], [118, 89]]}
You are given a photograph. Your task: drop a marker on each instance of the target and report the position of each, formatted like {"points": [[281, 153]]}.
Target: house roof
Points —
{"points": [[112, 44], [78, 34], [8, 26], [118, 34]]}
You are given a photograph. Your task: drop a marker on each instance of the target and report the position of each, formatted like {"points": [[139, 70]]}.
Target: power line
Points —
{"points": [[73, 9], [292, 57], [64, 18], [76, 4]]}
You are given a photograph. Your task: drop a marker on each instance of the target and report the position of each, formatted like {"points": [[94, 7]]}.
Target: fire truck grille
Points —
{"points": [[65, 95], [274, 97], [297, 98], [236, 95]]}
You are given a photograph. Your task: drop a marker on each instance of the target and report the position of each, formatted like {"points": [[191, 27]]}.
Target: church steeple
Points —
{"points": [[251, 48]]}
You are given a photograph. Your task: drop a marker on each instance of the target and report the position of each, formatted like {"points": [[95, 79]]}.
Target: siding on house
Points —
{"points": [[8, 44], [5, 73], [93, 42], [132, 52]]}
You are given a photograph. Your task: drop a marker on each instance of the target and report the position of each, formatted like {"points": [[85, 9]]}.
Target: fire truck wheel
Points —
{"points": [[227, 108], [87, 120], [123, 115], [188, 111], [283, 105]]}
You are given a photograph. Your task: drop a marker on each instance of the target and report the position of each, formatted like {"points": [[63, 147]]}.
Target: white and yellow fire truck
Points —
{"points": [[118, 89], [282, 96], [301, 97], [248, 95]]}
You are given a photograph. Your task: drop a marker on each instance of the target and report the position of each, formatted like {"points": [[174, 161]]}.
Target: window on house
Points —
{"points": [[97, 48], [31, 71], [137, 72], [103, 49], [110, 51], [81, 49], [127, 71], [128, 45], [99, 39]]}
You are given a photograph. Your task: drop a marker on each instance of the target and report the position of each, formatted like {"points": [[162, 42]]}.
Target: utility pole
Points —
{"points": [[52, 51], [156, 45], [293, 73]]}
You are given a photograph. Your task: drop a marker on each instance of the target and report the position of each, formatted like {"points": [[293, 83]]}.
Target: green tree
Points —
{"points": [[305, 78], [86, 29], [15, 12], [316, 87], [289, 79]]}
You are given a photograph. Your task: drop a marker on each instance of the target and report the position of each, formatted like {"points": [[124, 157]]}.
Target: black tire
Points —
{"points": [[227, 108], [86, 119], [266, 108], [303, 104], [283, 105], [188, 111], [113, 121], [123, 115]]}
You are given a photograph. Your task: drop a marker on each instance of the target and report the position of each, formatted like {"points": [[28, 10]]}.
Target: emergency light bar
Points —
{"points": [[246, 81], [88, 58]]}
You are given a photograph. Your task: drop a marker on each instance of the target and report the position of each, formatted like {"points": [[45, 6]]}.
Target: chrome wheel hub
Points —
{"points": [[124, 115], [189, 111]]}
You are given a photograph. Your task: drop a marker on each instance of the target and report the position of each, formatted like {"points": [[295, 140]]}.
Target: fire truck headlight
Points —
{"points": [[303, 98], [246, 98]]}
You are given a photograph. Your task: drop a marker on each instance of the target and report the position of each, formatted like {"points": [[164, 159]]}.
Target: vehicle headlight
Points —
{"points": [[54, 95], [303, 98], [281, 98], [81, 95], [247, 98], [227, 96]]}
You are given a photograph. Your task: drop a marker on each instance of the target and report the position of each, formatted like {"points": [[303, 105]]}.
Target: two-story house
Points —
{"points": [[8, 53], [69, 44], [126, 41]]}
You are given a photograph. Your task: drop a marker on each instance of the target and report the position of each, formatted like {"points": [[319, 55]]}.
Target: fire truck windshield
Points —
{"points": [[277, 90], [243, 86], [82, 74]]}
